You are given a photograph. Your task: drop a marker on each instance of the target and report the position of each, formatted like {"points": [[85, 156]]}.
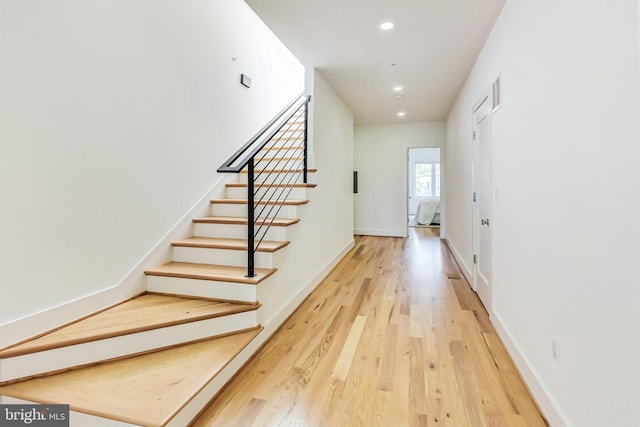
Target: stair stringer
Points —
{"points": [[132, 283]]}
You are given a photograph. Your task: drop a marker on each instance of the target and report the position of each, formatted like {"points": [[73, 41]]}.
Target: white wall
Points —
{"points": [[325, 233], [566, 234], [114, 116], [429, 155], [380, 207]]}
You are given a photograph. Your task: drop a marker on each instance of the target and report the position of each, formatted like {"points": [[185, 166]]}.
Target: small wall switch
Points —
{"points": [[245, 80]]}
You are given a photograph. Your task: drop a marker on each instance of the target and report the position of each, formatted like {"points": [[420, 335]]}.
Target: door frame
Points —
{"points": [[486, 96], [407, 167]]}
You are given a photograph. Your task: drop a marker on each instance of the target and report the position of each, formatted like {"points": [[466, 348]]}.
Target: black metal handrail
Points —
{"points": [[274, 162]]}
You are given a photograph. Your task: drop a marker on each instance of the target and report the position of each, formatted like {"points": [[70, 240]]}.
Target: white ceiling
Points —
{"points": [[434, 44]]}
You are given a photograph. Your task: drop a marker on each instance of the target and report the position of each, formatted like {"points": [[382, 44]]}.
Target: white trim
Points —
{"points": [[273, 323], [466, 271], [547, 404], [226, 374], [130, 344], [377, 232], [131, 284], [193, 407]]}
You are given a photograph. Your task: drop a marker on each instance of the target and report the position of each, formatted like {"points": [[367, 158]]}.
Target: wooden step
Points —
{"points": [[278, 222], [262, 202], [142, 313], [266, 185], [286, 170], [287, 138], [294, 130], [278, 159], [222, 273], [233, 244], [154, 389], [137, 326], [283, 148]]}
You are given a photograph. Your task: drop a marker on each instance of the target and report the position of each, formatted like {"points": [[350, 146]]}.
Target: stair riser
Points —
{"points": [[227, 291], [110, 348], [186, 414], [287, 177], [229, 231], [267, 193], [235, 258], [224, 209]]}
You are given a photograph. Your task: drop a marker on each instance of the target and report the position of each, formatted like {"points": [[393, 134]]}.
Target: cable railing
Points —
{"points": [[275, 159]]}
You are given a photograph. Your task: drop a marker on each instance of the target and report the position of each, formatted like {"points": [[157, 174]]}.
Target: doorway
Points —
{"points": [[423, 189], [483, 200]]}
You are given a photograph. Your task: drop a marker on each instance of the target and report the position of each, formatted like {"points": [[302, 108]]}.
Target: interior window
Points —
{"points": [[427, 179]]}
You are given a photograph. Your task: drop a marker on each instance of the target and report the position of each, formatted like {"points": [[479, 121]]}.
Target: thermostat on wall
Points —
{"points": [[245, 80]]}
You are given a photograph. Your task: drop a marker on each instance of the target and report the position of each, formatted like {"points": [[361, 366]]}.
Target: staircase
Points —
{"points": [[158, 358]]}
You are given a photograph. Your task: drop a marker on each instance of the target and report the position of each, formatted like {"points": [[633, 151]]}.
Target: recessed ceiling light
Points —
{"points": [[386, 25], [397, 88], [398, 96], [401, 113]]}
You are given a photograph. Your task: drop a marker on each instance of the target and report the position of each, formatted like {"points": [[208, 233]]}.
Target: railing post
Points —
{"points": [[250, 220], [304, 156]]}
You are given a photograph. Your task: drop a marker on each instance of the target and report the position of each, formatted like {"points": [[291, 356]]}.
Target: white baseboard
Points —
{"points": [[256, 344], [131, 284], [544, 399], [468, 273], [378, 232], [230, 370], [545, 402], [278, 319]]}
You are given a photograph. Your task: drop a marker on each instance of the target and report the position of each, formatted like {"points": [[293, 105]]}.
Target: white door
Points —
{"points": [[483, 206]]}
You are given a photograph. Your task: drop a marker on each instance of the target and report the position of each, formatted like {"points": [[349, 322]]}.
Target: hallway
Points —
{"points": [[392, 337]]}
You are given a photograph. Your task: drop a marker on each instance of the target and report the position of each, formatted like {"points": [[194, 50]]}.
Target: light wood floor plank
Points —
{"points": [[394, 336], [345, 359]]}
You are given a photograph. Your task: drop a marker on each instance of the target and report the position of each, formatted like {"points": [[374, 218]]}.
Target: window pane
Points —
{"points": [[427, 179], [424, 179]]}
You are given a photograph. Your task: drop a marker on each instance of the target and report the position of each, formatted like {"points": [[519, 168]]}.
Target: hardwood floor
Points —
{"points": [[393, 336]]}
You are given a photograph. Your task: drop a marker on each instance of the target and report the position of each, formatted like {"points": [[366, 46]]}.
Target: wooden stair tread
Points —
{"points": [[144, 390], [264, 202], [222, 243], [281, 159], [223, 273], [282, 131], [265, 185], [236, 220], [280, 170], [143, 313], [283, 148]]}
